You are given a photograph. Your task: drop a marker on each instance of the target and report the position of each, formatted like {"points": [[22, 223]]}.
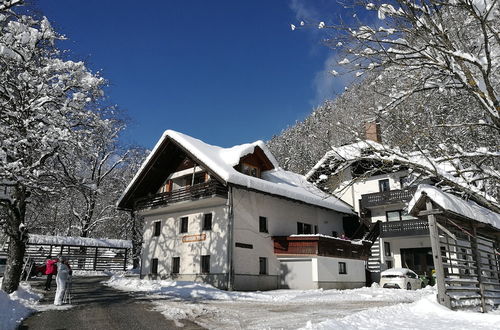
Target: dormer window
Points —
{"points": [[250, 170]]}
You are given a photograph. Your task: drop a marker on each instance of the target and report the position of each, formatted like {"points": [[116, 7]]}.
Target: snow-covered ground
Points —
{"points": [[364, 308], [20, 304], [17, 306]]}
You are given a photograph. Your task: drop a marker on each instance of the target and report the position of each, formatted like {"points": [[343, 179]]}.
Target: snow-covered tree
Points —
{"points": [[44, 98], [432, 81], [88, 174]]}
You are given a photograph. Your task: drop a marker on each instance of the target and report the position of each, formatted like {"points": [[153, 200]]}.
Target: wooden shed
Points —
{"points": [[83, 253], [465, 239]]}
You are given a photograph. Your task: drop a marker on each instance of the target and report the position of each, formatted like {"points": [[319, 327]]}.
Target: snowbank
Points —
{"points": [[17, 306], [325, 309], [424, 314], [201, 291]]}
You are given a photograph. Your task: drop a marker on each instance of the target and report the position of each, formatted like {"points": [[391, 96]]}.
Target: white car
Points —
{"points": [[400, 278]]}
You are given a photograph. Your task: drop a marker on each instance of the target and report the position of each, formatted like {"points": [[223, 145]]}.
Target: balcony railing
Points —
{"points": [[208, 189], [404, 228], [387, 197], [321, 246]]}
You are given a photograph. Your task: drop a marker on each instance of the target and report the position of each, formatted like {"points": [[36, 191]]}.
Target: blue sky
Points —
{"points": [[227, 72]]}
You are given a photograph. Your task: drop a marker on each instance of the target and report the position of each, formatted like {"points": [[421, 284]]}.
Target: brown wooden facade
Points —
{"points": [[321, 246]]}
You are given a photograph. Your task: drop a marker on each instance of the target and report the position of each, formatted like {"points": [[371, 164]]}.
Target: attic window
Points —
{"points": [[250, 170]]}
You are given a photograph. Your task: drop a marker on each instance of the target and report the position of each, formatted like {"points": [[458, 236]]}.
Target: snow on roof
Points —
{"points": [[356, 242], [222, 161], [395, 271], [345, 153], [80, 241], [452, 203]]}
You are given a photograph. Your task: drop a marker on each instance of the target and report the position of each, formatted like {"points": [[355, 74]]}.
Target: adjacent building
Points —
{"points": [[233, 218], [379, 193]]}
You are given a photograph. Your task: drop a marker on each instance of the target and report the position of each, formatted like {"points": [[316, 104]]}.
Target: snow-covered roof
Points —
{"points": [[80, 241], [345, 153], [455, 204], [222, 161], [356, 242]]}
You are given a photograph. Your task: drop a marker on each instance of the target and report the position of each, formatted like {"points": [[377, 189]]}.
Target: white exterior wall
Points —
{"points": [[328, 276], [398, 243], [169, 244], [352, 195], [321, 272], [297, 273], [282, 217], [379, 213]]}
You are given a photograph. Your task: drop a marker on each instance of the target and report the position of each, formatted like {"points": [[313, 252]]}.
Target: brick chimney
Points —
{"points": [[372, 131]]}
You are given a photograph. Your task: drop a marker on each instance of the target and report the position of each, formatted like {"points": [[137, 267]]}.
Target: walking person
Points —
{"points": [[50, 270], [63, 275]]}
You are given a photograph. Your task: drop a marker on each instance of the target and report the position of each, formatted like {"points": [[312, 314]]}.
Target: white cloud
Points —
{"points": [[328, 85], [303, 12]]}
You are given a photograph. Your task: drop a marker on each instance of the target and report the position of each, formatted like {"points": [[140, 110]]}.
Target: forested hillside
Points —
{"points": [[431, 81]]}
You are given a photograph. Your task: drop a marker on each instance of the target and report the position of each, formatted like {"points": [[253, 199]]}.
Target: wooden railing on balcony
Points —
{"points": [[313, 245], [207, 189], [404, 228], [387, 197]]}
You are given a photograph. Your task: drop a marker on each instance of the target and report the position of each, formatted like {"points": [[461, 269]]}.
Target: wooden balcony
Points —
{"points": [[204, 190], [312, 245], [387, 198], [404, 228]]}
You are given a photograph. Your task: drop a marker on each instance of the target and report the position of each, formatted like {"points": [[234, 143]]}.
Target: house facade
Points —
{"points": [[379, 193], [225, 216]]}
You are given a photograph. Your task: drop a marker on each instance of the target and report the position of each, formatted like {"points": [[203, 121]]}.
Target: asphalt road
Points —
{"points": [[97, 306]]}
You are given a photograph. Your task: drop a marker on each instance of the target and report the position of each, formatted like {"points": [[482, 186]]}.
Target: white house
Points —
{"points": [[378, 192], [233, 218]]}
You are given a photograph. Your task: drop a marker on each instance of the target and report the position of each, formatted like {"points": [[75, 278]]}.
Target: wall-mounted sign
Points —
{"points": [[194, 238]]}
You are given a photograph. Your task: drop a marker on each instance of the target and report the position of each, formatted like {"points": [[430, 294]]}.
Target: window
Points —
{"points": [[243, 245], [176, 264], [199, 178], [335, 234], [412, 275], [205, 264], [250, 170], [383, 185], [406, 216], [388, 263], [263, 225], [387, 249], [157, 228], [315, 229], [393, 215], [342, 268], [154, 266], [184, 225], [262, 266], [403, 181], [304, 228], [207, 221]]}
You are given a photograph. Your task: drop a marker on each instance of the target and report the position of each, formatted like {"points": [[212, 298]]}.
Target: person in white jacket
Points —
{"points": [[63, 275]]}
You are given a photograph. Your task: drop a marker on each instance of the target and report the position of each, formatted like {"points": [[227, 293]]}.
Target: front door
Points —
{"points": [[418, 259]]}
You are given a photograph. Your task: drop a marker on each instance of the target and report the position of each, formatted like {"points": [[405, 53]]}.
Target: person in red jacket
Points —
{"points": [[50, 269]]}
